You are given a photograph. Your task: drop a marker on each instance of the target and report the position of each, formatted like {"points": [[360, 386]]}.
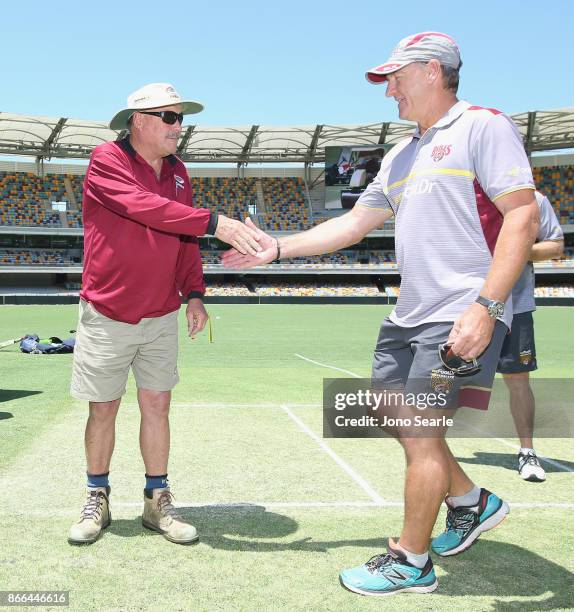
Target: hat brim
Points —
{"points": [[120, 120], [378, 74]]}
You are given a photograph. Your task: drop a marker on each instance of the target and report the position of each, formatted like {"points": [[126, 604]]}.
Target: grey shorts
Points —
{"points": [[106, 350], [518, 349], [407, 358]]}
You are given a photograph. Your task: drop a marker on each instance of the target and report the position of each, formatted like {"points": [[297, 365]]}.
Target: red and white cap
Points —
{"points": [[421, 47]]}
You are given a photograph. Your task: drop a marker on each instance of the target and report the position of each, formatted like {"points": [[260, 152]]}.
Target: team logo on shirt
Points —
{"points": [[179, 182], [440, 151]]}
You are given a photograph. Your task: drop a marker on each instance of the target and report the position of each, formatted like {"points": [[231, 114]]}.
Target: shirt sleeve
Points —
{"points": [[500, 162], [549, 225], [189, 270], [111, 183], [375, 195]]}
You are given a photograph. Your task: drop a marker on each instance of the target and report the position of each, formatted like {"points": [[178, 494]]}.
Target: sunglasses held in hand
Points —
{"points": [[456, 364]]}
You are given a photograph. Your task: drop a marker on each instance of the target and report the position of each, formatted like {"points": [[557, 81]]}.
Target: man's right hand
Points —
{"points": [[268, 245], [240, 236]]}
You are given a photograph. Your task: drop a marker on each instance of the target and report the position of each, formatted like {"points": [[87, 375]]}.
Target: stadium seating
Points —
{"points": [[559, 290], [211, 257], [378, 258], [77, 182], [26, 199], [74, 218], [557, 184], [286, 207], [316, 289], [229, 288], [229, 196], [34, 257]]}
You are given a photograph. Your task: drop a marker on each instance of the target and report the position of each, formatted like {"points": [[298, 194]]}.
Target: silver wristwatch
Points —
{"points": [[495, 309]]}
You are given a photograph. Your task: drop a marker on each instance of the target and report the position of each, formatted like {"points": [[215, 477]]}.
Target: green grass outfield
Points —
{"points": [[279, 510]]}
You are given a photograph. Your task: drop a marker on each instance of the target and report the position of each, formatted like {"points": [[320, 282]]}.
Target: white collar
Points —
{"points": [[453, 113]]}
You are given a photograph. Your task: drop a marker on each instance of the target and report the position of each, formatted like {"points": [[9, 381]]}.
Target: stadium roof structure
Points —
{"points": [[51, 137]]}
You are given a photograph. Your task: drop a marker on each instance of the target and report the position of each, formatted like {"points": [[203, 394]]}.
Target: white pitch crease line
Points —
{"points": [[344, 504], [255, 504], [377, 499], [553, 462], [324, 365], [275, 506], [532, 505]]}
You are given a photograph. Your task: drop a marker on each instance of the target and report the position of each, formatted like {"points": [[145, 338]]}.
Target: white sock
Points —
{"points": [[525, 451], [468, 499], [418, 561]]}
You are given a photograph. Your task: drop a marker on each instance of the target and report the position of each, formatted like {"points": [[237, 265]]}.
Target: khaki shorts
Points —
{"points": [[106, 349]]}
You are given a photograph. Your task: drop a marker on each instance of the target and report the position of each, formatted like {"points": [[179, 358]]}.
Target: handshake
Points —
{"points": [[251, 246]]}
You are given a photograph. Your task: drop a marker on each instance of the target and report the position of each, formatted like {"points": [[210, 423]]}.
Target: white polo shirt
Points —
{"points": [[523, 291], [441, 185]]}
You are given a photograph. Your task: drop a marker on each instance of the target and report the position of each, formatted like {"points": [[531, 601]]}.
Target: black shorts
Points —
{"points": [[518, 349], [407, 357]]}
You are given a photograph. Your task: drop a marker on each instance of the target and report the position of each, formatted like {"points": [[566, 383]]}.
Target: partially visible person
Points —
{"points": [[518, 355], [141, 256]]}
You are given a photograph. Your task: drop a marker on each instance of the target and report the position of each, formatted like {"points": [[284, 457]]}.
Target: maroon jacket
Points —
{"points": [[140, 245]]}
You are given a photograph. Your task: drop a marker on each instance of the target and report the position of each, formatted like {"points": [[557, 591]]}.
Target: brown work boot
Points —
{"points": [[160, 515], [95, 517]]}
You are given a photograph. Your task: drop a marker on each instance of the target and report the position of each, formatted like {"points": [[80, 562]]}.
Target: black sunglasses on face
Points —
{"points": [[169, 117], [457, 364]]}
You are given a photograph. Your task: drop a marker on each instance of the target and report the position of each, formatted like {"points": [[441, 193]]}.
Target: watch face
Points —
{"points": [[496, 309]]}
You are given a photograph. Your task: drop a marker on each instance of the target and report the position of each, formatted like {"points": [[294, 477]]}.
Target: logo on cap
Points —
{"points": [[386, 67]]}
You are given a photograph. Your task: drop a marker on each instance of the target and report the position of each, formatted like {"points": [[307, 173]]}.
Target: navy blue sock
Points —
{"points": [[98, 480], [156, 482]]}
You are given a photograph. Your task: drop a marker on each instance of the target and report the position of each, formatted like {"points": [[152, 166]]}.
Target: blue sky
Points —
{"points": [[274, 63]]}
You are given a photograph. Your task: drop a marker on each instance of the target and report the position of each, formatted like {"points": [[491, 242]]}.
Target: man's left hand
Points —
{"points": [[196, 317], [471, 332]]}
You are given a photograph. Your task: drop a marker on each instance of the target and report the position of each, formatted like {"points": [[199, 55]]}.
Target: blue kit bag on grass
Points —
{"points": [[48, 346]]}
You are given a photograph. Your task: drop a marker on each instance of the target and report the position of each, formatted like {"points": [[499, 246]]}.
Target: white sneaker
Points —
{"points": [[529, 467]]}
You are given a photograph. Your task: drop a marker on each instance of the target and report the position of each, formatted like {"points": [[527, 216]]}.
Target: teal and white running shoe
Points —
{"points": [[465, 523], [388, 574]]}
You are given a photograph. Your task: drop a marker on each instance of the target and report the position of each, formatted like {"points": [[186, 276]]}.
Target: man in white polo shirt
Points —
{"points": [[466, 217]]}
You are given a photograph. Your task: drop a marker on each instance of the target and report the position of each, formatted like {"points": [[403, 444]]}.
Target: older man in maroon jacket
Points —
{"points": [[141, 256]]}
